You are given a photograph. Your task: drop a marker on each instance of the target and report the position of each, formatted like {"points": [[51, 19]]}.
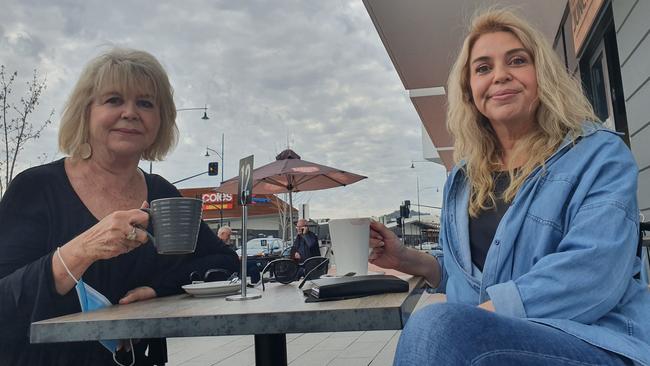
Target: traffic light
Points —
{"points": [[213, 168], [404, 210], [399, 222]]}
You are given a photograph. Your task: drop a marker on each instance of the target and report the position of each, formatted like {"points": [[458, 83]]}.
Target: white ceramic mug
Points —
{"points": [[350, 245]]}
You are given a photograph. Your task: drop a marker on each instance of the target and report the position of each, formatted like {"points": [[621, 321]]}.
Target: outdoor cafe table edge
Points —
{"points": [[281, 310]]}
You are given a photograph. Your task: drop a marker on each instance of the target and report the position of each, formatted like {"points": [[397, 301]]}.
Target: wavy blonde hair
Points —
{"points": [[561, 111], [126, 71]]}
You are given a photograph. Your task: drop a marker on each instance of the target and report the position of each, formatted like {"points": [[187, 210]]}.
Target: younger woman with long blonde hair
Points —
{"points": [[539, 223]]}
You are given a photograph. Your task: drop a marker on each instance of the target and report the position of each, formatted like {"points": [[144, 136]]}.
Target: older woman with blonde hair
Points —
{"points": [[539, 223], [76, 223]]}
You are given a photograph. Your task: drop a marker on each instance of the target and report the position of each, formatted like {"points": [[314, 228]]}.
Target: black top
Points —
{"points": [[306, 245], [39, 212], [483, 227]]}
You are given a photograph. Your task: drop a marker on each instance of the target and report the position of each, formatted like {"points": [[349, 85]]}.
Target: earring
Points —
{"points": [[85, 151]]}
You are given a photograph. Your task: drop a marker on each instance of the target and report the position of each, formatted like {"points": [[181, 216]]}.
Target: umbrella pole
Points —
{"points": [[291, 216]]}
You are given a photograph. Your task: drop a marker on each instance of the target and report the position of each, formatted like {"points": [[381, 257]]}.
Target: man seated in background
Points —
{"points": [[224, 234]]}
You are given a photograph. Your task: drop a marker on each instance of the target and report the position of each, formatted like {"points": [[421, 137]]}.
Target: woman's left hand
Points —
{"points": [[138, 294]]}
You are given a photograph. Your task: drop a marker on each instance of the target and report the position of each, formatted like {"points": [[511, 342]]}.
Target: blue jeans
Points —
{"points": [[456, 334]]}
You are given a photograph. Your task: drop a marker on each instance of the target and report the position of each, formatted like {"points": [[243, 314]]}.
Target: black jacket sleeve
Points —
{"points": [[314, 249], [27, 291]]}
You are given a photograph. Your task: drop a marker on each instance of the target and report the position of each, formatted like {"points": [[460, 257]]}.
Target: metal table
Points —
{"points": [[281, 310]]}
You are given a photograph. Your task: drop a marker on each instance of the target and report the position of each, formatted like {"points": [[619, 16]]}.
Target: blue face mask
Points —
{"points": [[91, 299]]}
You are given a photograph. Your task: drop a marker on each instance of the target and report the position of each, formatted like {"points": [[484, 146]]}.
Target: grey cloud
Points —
{"points": [[313, 73], [26, 45]]}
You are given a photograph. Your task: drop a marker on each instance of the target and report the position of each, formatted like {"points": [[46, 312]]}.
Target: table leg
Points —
{"points": [[271, 349]]}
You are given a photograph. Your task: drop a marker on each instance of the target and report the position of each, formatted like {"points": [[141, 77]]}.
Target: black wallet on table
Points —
{"points": [[337, 288]]}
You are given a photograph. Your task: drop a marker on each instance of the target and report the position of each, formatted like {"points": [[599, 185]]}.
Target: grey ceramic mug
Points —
{"points": [[176, 222]]}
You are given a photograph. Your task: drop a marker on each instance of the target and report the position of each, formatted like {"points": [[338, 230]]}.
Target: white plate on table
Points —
{"points": [[216, 288]]}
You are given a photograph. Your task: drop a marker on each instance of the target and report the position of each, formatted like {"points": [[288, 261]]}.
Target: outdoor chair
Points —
{"points": [[311, 267]]}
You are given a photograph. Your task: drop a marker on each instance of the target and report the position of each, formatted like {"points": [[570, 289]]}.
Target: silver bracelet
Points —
{"points": [[58, 253]]}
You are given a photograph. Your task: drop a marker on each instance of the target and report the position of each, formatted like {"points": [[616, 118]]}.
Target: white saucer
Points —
{"points": [[370, 273], [218, 288]]}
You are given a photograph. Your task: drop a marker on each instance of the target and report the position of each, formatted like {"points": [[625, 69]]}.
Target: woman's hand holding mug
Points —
{"points": [[114, 235], [387, 250]]}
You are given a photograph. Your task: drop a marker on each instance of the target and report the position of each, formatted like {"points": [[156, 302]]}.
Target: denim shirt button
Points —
{"points": [[497, 242]]}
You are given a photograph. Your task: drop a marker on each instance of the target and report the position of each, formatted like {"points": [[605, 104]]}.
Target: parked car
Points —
{"points": [[431, 247], [287, 251], [262, 247]]}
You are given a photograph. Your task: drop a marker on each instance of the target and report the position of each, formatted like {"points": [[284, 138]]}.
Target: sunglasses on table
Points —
{"points": [[214, 275], [285, 270]]}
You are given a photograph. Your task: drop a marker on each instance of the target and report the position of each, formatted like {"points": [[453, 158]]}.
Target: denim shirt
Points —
{"points": [[564, 252]]}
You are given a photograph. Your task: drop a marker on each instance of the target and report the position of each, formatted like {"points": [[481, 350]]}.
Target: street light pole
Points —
{"points": [[204, 109], [220, 155], [419, 209], [418, 193], [205, 117], [222, 167]]}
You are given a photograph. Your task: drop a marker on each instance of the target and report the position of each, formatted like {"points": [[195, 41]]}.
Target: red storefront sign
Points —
{"points": [[217, 201]]}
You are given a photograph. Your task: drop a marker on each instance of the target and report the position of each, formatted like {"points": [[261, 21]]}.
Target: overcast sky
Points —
{"points": [[313, 75]]}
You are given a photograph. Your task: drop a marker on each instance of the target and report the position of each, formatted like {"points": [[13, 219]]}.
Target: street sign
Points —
{"points": [[261, 200], [245, 190], [245, 186]]}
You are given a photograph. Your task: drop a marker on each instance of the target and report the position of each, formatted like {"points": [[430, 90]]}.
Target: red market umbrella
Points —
{"points": [[288, 174]]}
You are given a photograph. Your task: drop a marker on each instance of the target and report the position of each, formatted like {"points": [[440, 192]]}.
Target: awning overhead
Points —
{"points": [[422, 38]]}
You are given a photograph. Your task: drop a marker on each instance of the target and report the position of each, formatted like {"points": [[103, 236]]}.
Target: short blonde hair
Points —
{"points": [[561, 111], [126, 71]]}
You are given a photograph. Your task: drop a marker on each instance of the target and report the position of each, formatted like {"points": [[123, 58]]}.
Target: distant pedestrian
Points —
{"points": [[305, 245]]}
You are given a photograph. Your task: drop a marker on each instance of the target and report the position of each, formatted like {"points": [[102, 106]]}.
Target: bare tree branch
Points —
{"points": [[5, 91], [18, 130]]}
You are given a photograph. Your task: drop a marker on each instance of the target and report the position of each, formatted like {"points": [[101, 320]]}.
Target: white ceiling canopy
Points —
{"points": [[422, 38]]}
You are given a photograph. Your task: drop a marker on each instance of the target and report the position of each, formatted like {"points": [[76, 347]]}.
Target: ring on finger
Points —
{"points": [[132, 235]]}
